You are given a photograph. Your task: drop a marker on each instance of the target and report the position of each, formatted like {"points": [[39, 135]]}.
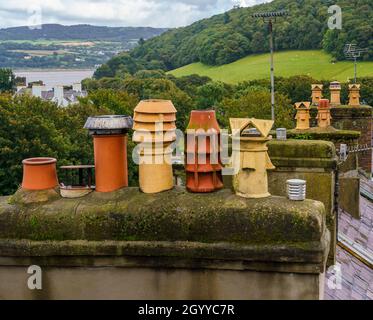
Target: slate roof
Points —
{"points": [[357, 277]]}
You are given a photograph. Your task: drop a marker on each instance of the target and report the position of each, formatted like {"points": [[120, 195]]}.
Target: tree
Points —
{"points": [[7, 80], [256, 104]]}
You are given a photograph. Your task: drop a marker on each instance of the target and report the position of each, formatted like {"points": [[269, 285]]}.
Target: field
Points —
{"points": [[316, 64]]}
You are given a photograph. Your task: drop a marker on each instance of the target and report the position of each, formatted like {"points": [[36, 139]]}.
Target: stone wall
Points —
{"points": [[359, 119], [314, 162], [172, 245]]}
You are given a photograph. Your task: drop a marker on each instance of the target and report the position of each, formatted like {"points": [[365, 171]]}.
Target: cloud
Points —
{"points": [[154, 13]]}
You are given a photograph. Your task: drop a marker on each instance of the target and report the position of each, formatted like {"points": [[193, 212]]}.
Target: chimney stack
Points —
{"points": [[354, 95], [58, 94], [37, 90], [335, 93], [250, 156], [39, 174], [323, 115], [203, 165], [110, 150], [316, 94], [303, 115]]}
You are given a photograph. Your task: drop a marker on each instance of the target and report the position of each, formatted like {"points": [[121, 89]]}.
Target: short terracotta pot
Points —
{"points": [[39, 174], [154, 127], [204, 182], [154, 117], [153, 106]]}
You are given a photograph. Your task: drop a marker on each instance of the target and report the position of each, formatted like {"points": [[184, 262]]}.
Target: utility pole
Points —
{"points": [[270, 18]]}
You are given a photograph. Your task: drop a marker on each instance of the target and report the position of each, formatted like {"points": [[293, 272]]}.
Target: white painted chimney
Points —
{"points": [[58, 94], [77, 86], [37, 90]]}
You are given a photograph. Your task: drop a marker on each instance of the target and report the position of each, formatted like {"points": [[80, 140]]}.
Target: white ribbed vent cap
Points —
{"points": [[296, 189]]}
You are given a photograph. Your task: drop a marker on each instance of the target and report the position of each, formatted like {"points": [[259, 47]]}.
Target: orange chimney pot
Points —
{"points": [[110, 151], [111, 170], [39, 174], [204, 174]]}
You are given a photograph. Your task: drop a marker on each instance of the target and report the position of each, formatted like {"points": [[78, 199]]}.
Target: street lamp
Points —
{"points": [[270, 18]]}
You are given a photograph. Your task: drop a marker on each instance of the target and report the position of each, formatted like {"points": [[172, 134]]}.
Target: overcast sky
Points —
{"points": [[153, 13]]}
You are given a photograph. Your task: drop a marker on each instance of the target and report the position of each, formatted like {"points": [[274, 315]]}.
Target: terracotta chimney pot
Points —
{"points": [[323, 115], [110, 151], [204, 174], [39, 174], [154, 124]]}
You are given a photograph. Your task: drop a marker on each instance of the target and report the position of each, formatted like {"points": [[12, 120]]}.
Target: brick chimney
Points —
{"points": [[110, 150], [354, 95], [335, 93]]}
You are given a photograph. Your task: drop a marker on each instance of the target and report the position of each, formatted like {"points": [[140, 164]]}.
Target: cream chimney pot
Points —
{"points": [[316, 93], [354, 95], [37, 90], [303, 115], [335, 93]]}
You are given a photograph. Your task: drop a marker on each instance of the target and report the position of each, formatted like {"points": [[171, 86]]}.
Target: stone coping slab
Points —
{"points": [[176, 215], [303, 153]]}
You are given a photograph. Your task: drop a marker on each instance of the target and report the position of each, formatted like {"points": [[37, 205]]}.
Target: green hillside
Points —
{"points": [[233, 35], [316, 64]]}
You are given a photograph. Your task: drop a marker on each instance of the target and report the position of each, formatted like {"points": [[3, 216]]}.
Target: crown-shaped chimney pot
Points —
{"points": [[303, 115], [250, 157], [316, 93], [354, 95]]}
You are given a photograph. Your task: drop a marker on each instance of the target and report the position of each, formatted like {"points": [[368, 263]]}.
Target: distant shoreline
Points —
{"points": [[51, 70]]}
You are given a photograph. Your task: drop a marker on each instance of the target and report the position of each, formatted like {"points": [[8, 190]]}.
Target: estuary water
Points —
{"points": [[55, 77]]}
